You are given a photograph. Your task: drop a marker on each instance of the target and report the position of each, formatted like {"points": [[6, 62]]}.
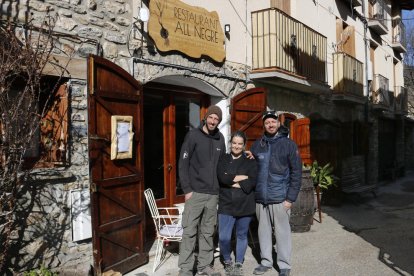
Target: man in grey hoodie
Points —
{"points": [[199, 156]]}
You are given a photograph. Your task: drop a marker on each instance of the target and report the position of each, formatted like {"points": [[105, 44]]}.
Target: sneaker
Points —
{"points": [[238, 269], [261, 269], [284, 272], [228, 268], [208, 270]]}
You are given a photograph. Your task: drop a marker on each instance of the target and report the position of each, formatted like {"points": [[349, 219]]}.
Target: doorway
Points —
{"points": [[169, 113]]}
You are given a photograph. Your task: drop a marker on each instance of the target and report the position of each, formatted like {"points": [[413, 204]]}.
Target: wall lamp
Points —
{"points": [[143, 14], [227, 28]]}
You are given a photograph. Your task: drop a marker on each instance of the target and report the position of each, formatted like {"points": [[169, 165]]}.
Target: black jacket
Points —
{"points": [[197, 166], [234, 201], [279, 168]]}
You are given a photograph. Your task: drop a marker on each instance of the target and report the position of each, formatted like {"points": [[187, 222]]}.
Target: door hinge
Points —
{"points": [[93, 188]]}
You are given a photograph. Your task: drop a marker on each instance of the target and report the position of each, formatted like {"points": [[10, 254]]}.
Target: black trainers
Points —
{"points": [[238, 269], [228, 268], [209, 271], [284, 272], [261, 269]]}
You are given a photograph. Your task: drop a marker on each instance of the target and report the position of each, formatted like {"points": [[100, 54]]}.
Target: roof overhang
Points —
{"points": [[406, 4], [281, 79]]}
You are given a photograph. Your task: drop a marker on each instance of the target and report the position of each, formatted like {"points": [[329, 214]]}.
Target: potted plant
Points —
{"points": [[322, 176], [323, 179]]}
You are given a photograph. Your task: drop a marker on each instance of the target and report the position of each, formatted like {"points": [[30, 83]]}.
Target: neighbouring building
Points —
{"points": [[149, 69]]}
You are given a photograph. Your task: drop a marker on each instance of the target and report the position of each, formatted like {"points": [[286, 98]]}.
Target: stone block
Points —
{"points": [[118, 39], [90, 32]]}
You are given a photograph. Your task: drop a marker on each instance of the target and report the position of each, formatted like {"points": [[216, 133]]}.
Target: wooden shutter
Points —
{"points": [[299, 132], [54, 129]]}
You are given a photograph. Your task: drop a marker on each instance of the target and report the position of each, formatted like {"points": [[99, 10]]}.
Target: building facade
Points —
{"points": [[332, 69]]}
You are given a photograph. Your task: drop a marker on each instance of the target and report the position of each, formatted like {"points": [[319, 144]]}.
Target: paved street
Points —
{"points": [[366, 235]]}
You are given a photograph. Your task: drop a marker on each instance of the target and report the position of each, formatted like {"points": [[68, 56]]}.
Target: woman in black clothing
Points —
{"points": [[237, 177]]}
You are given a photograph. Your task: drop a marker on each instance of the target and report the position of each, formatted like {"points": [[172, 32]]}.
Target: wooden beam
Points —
{"points": [[74, 67]]}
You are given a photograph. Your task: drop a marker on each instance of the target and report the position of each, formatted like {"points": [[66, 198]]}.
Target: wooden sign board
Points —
{"points": [[193, 31]]}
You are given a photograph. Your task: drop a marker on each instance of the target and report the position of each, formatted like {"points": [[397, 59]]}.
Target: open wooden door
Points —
{"points": [[246, 113], [300, 133], [116, 185]]}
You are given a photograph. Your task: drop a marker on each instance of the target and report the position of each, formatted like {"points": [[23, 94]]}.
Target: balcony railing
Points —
{"points": [[380, 91], [348, 75], [282, 43], [401, 100], [355, 3], [399, 41], [378, 16]]}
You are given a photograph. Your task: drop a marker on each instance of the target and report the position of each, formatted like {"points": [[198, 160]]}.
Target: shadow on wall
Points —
{"points": [[385, 221], [42, 219]]}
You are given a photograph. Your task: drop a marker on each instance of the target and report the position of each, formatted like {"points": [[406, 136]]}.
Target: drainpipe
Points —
{"points": [[366, 95], [366, 87]]}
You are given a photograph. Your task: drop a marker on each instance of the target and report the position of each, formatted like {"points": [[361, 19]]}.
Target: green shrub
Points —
{"points": [[42, 271], [322, 175]]}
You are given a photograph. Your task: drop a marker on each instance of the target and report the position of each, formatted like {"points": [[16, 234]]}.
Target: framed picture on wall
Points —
{"points": [[121, 137]]}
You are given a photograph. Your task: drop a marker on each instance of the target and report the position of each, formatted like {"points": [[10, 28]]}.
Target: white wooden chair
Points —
{"points": [[167, 224]]}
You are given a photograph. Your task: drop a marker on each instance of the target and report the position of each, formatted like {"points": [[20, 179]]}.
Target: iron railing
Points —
{"points": [[401, 99], [398, 33], [378, 12], [380, 91], [348, 75]]}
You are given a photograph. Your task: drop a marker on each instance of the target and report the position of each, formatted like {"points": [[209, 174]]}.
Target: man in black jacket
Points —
{"points": [[278, 184], [199, 156]]}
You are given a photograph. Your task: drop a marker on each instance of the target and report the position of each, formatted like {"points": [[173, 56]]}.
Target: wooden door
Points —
{"points": [[246, 113], [116, 185], [299, 132]]}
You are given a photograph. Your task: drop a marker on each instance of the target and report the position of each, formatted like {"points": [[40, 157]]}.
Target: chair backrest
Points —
{"points": [[149, 196]]}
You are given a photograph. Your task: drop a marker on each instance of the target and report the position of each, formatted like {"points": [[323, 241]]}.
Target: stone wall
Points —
{"points": [[43, 232], [107, 28], [84, 27]]}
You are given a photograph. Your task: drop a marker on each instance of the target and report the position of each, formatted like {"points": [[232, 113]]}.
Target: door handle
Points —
{"points": [[169, 167]]}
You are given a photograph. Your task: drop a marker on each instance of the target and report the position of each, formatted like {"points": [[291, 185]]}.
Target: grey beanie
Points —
{"points": [[214, 109]]}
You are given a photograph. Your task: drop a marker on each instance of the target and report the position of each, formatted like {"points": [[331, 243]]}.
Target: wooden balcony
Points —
{"points": [[284, 45], [378, 17], [399, 42], [348, 78], [381, 93], [401, 100]]}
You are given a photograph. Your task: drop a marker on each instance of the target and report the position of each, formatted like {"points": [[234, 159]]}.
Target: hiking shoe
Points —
{"points": [[284, 272], [208, 270], [261, 269], [228, 268], [238, 269]]}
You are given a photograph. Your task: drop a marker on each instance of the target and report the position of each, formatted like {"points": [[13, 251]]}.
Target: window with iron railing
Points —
{"points": [[401, 99], [398, 35], [380, 90], [377, 11], [348, 75]]}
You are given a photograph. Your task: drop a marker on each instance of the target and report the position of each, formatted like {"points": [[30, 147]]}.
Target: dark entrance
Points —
{"points": [[169, 113]]}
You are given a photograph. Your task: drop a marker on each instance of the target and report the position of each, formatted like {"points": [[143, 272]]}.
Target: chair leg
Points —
{"points": [[158, 253]]}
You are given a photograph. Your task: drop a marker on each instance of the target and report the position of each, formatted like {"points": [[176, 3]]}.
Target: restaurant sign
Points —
{"points": [[193, 31]]}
